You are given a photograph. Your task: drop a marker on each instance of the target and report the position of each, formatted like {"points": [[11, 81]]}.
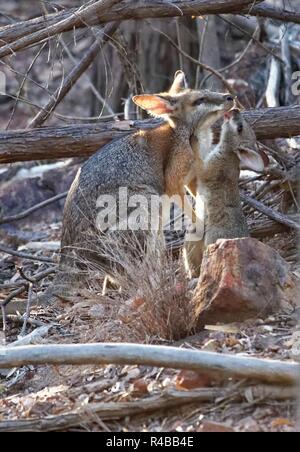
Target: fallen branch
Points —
{"points": [[271, 213], [74, 75], [270, 371], [26, 33], [118, 410], [83, 140], [13, 306], [271, 12], [262, 229], [26, 213], [33, 337], [23, 34], [37, 278], [77, 17], [5, 250], [17, 318]]}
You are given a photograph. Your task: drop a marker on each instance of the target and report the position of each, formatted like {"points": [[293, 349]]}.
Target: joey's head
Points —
{"points": [[183, 106], [239, 135]]}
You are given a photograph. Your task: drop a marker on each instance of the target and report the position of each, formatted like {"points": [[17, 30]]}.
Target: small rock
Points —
{"points": [[241, 279], [133, 374]]}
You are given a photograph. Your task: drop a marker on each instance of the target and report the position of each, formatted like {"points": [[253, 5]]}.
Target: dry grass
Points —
{"points": [[151, 282]]}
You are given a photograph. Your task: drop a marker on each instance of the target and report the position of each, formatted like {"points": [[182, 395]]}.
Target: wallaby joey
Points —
{"points": [[218, 184], [150, 162]]}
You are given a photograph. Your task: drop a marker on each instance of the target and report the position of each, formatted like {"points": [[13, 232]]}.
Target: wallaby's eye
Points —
{"points": [[198, 101], [240, 128]]}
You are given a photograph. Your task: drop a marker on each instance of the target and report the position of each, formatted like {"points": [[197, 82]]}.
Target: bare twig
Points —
{"points": [[25, 77], [179, 44], [24, 276], [5, 250], [37, 278], [28, 307], [270, 371], [92, 86], [274, 215], [266, 49], [74, 75], [236, 61], [198, 63], [271, 12], [29, 211], [24, 34], [20, 319], [201, 38], [77, 17], [118, 410]]}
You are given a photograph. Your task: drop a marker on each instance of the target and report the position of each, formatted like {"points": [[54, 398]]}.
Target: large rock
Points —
{"points": [[240, 279]]}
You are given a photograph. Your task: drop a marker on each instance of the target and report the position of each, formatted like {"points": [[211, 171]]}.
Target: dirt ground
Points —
{"points": [[130, 398]]}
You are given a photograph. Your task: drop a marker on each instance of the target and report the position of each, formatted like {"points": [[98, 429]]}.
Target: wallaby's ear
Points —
{"points": [[251, 160], [154, 103], [179, 83]]}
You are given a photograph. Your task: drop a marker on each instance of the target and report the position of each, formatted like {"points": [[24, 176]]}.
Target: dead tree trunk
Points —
{"points": [[83, 140]]}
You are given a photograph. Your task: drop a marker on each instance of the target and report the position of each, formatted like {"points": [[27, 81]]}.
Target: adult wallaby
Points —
{"points": [[218, 185], [150, 162]]}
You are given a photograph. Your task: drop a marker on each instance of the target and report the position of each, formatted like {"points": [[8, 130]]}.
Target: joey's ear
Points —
{"points": [[154, 103], [179, 83], [251, 160]]}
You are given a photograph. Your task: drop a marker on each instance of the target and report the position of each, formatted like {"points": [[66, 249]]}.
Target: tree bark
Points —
{"points": [[23, 34], [266, 370], [281, 14], [83, 140], [168, 399]]}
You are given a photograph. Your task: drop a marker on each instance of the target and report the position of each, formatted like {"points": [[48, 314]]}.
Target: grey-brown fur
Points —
{"points": [[224, 216], [152, 162], [133, 162], [218, 184]]}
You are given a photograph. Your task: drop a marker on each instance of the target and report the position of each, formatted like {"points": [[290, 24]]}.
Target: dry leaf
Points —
{"points": [[281, 422], [188, 379], [231, 341], [139, 387]]}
